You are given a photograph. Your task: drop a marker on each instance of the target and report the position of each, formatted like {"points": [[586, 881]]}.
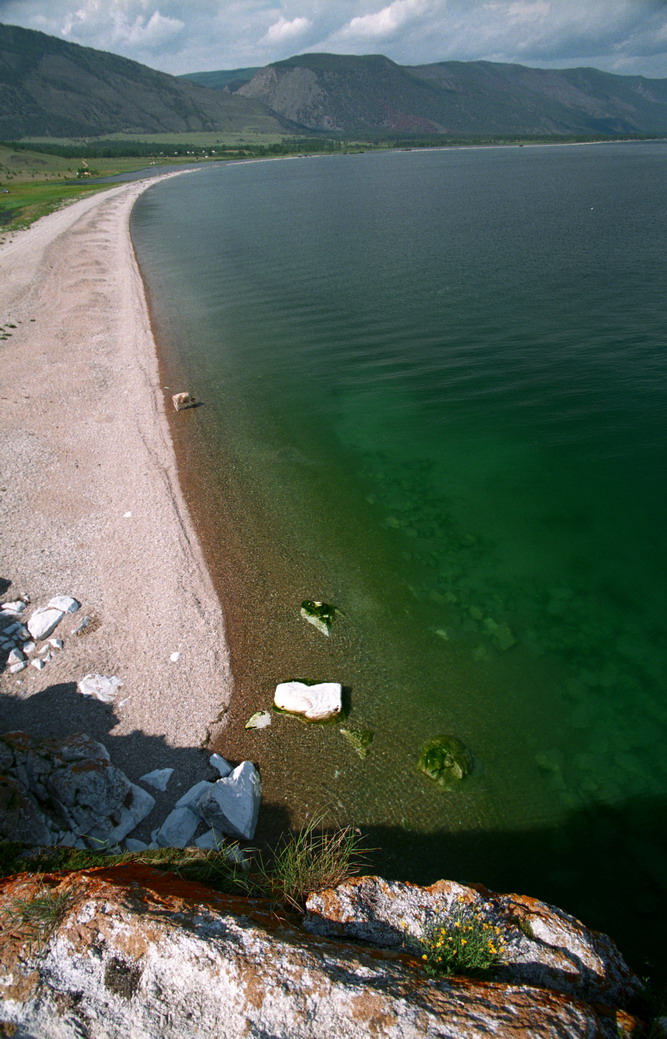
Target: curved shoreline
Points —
{"points": [[92, 504]]}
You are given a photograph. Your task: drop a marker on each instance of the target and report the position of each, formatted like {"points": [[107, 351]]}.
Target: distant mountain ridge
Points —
{"points": [[49, 87], [326, 92]]}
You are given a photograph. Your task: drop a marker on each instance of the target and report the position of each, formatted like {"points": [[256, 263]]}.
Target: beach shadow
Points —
{"points": [[60, 710]]}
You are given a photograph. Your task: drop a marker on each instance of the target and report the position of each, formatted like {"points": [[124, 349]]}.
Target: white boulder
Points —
{"points": [[178, 829], [231, 805], [44, 621], [141, 804], [314, 702], [65, 603], [100, 686]]}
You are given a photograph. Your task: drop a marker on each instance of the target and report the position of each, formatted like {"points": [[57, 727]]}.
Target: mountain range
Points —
{"points": [[49, 87]]}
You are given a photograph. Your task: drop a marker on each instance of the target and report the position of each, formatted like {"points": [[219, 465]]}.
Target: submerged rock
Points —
{"points": [[259, 720], [446, 760], [320, 614], [313, 702], [360, 739]]}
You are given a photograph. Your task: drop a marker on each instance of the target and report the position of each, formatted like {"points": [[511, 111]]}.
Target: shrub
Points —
{"points": [[34, 919], [462, 943]]}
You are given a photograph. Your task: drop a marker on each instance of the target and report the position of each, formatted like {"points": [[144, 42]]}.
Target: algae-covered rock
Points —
{"points": [[445, 760], [320, 614], [360, 739]]}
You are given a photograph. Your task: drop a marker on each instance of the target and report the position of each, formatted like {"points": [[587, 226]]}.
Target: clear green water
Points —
{"points": [[434, 389]]}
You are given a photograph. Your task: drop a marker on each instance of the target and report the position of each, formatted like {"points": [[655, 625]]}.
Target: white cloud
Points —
{"points": [[284, 30], [526, 12], [384, 23], [127, 24], [177, 36]]}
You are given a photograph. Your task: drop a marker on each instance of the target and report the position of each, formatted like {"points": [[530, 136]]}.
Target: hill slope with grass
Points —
{"points": [[371, 93], [51, 87]]}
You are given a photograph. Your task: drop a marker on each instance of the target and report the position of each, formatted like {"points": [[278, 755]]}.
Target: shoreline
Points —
{"points": [[92, 504]]}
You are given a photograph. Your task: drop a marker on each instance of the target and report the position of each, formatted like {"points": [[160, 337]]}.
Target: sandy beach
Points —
{"points": [[90, 504]]}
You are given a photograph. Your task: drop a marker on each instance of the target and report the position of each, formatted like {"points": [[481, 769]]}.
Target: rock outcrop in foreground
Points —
{"points": [[131, 952]]}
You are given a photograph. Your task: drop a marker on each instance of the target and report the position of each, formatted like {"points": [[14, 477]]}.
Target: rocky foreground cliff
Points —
{"points": [[129, 951]]}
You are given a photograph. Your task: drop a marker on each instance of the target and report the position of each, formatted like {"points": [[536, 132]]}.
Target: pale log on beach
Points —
{"points": [[91, 503]]}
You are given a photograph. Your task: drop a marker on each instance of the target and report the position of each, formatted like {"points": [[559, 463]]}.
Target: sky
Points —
{"points": [[628, 37]]}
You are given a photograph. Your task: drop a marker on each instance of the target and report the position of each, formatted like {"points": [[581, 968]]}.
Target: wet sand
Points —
{"points": [[90, 502]]}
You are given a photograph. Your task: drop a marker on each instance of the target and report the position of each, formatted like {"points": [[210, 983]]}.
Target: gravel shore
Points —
{"points": [[90, 503]]}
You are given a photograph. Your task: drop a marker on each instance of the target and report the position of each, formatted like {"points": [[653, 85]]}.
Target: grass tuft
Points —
{"points": [[34, 919], [311, 860]]}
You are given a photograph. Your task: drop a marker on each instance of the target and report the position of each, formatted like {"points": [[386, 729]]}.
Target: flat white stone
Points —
{"points": [[231, 805], [219, 763], [20, 666], [43, 621], [178, 829], [29, 647], [191, 796], [13, 607], [314, 702], [65, 603], [81, 626], [56, 643], [99, 686], [158, 778], [16, 656], [259, 720], [134, 845], [39, 665], [212, 840], [174, 657]]}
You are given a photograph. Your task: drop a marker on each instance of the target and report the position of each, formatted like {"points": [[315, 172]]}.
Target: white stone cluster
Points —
{"points": [[26, 640]]}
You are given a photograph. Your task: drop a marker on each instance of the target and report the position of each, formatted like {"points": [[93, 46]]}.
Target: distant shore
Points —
{"points": [[91, 504]]}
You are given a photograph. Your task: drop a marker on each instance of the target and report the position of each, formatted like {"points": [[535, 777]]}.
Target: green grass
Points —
{"points": [[35, 918], [310, 860]]}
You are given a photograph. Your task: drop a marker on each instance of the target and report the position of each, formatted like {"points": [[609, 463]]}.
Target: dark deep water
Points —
{"points": [[434, 388]]}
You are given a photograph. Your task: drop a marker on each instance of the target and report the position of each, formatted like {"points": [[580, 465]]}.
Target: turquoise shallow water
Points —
{"points": [[434, 388]]}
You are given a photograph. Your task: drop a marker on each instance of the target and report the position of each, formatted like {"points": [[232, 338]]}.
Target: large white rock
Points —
{"points": [[65, 603], [100, 686], [314, 702], [178, 829], [44, 621], [191, 796], [231, 805]]}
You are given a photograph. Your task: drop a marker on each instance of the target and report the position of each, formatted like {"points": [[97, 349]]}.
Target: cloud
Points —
{"points": [[283, 30], [628, 36], [126, 24], [384, 23]]}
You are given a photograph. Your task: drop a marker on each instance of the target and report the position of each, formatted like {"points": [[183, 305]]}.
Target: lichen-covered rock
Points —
{"points": [[67, 784], [544, 945], [137, 953], [446, 760]]}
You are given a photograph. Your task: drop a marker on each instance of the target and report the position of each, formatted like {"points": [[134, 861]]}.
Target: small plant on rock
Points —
{"points": [[34, 919], [462, 943], [311, 860]]}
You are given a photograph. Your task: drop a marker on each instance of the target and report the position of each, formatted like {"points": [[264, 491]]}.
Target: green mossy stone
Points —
{"points": [[360, 739], [446, 760], [320, 614]]}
